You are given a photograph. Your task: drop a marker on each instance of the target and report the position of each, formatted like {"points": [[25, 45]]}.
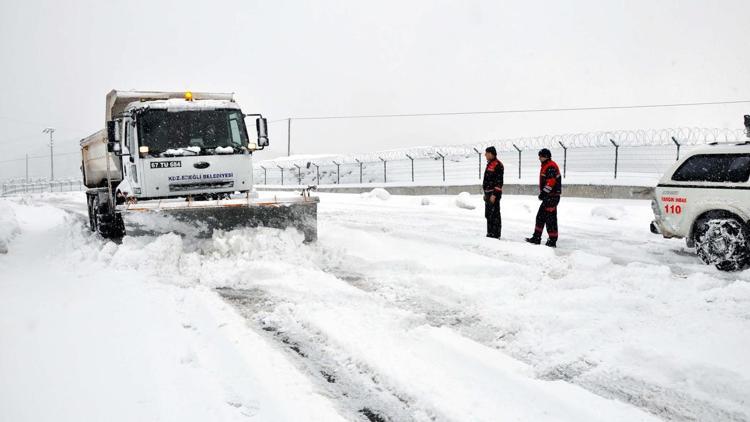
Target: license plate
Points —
{"points": [[165, 164]]}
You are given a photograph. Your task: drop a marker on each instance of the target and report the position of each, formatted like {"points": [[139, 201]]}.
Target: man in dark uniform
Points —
{"points": [[493, 191], [550, 189]]}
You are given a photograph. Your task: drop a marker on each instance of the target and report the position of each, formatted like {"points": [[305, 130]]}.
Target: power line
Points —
{"points": [[512, 111], [37, 124], [40, 156]]}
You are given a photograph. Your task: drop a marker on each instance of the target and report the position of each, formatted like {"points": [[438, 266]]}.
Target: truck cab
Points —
{"points": [[705, 198], [195, 145]]}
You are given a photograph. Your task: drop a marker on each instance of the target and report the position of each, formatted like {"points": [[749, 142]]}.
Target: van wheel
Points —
{"points": [[723, 243]]}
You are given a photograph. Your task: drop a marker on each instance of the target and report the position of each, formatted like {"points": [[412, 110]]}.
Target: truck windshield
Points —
{"points": [[210, 131]]}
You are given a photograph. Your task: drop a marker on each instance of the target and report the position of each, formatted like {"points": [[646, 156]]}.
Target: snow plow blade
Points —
{"points": [[228, 214]]}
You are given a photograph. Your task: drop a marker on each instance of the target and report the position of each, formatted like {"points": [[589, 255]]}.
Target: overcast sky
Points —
{"points": [[308, 58]]}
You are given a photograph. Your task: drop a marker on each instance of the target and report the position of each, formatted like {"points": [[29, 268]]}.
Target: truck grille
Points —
{"points": [[181, 187]]}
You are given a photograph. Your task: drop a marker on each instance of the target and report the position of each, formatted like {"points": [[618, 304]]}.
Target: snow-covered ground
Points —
{"points": [[401, 311]]}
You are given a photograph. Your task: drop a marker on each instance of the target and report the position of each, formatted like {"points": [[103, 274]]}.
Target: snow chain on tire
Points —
{"points": [[109, 225], [723, 243]]}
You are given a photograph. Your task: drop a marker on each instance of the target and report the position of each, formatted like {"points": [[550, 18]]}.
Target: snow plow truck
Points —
{"points": [[182, 155]]}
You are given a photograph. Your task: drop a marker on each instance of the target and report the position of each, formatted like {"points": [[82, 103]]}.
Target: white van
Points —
{"points": [[705, 199]]}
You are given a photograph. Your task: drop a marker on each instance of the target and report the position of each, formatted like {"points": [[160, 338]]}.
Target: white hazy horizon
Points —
{"points": [[293, 58]]}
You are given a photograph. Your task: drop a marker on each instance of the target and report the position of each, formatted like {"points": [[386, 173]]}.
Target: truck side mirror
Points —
{"points": [[261, 125]]}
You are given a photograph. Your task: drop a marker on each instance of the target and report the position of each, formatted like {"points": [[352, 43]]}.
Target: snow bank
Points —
{"points": [[379, 193], [608, 212], [8, 225], [463, 200], [93, 330]]}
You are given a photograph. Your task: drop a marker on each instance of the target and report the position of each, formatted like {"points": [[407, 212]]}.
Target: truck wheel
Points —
{"points": [[109, 225], [723, 243], [92, 213]]}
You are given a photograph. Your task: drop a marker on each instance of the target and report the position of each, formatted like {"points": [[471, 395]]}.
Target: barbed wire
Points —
{"points": [[624, 138]]}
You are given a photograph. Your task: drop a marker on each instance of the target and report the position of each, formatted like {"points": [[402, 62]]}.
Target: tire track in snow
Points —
{"points": [[452, 311], [355, 385], [681, 262]]}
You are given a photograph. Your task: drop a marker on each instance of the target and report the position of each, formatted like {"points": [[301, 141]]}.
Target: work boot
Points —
{"points": [[534, 240], [552, 243]]}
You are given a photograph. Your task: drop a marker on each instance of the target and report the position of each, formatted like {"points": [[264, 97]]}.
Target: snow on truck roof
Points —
{"points": [[117, 101], [174, 104]]}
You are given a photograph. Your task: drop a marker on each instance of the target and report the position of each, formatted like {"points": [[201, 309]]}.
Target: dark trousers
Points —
{"points": [[547, 216], [492, 214]]}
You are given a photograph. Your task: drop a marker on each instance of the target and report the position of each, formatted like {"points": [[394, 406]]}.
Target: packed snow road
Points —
{"points": [[401, 311]]}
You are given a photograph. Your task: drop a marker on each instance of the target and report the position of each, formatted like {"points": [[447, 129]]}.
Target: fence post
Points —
{"points": [[317, 173], [519, 160], [412, 166], [617, 151], [678, 148], [338, 172], [385, 170], [282, 174], [565, 158], [479, 163], [299, 175], [442, 157], [265, 175], [360, 170]]}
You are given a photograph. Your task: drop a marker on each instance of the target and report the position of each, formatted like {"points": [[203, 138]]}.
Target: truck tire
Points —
{"points": [[109, 224], [91, 202], [723, 242]]}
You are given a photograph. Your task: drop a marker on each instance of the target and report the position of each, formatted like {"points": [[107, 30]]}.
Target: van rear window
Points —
{"points": [[727, 168]]}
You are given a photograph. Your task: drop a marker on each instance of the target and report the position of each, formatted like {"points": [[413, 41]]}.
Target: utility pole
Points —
{"points": [[51, 130], [27, 169], [288, 136]]}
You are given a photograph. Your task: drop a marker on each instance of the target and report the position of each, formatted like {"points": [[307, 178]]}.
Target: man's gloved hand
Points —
{"points": [[542, 195]]}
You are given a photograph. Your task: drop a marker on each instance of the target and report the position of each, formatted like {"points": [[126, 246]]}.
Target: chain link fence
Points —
{"points": [[618, 157], [623, 157], [14, 187]]}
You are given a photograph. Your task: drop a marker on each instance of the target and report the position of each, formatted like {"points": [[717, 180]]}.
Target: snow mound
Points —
{"points": [[8, 226], [463, 200], [609, 213], [379, 193], [425, 201]]}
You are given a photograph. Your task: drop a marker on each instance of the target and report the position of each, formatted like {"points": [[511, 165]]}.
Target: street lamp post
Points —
{"points": [[51, 130]]}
